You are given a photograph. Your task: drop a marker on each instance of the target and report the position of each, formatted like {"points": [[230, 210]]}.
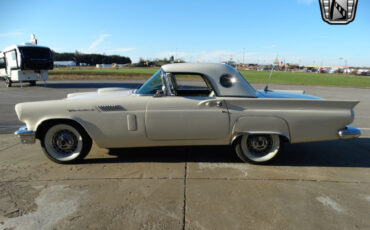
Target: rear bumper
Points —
{"points": [[349, 132], [26, 136]]}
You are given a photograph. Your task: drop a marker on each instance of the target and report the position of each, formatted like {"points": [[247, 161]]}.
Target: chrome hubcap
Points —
{"points": [[64, 142], [259, 144]]}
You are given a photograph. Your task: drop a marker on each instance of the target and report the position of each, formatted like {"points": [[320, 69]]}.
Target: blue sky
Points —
{"points": [[197, 31]]}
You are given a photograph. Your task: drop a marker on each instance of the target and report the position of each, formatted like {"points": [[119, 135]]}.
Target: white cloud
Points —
{"points": [[269, 46], [218, 56], [11, 34], [306, 1], [200, 56], [97, 42], [121, 50], [208, 56]]}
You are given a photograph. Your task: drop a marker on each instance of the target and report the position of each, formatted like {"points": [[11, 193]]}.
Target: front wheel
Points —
{"points": [[64, 143], [258, 149]]}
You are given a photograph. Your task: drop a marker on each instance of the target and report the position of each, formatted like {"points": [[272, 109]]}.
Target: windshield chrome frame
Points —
{"points": [[165, 84], [165, 87]]}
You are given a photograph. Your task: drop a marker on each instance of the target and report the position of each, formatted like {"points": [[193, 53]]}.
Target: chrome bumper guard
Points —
{"points": [[26, 136], [349, 132]]}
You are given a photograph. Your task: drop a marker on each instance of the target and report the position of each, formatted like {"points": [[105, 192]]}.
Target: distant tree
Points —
{"points": [[91, 59]]}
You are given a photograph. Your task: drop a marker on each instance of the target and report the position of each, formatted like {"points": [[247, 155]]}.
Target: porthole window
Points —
{"points": [[227, 80]]}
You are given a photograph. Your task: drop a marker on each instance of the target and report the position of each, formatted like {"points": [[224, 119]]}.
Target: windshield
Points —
{"points": [[152, 85], [35, 52]]}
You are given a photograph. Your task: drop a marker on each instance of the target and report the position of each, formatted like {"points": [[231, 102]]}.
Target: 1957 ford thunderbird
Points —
{"points": [[222, 108]]}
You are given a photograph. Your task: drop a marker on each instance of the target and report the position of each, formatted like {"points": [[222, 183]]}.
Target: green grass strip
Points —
{"points": [[295, 78]]}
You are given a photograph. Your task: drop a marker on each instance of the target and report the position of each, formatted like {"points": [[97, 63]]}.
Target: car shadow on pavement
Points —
{"points": [[169, 154], [91, 85], [340, 153]]}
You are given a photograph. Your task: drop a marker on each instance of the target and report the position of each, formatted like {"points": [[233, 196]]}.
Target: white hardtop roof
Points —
{"points": [[24, 45], [213, 72]]}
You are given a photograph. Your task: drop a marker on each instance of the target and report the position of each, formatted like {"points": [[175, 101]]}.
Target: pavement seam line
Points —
{"points": [[11, 146], [180, 178], [185, 179]]}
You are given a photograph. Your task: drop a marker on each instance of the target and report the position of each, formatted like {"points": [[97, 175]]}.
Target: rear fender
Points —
{"points": [[260, 125]]}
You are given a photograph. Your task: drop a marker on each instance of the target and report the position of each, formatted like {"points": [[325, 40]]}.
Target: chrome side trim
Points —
{"points": [[349, 132], [26, 136]]}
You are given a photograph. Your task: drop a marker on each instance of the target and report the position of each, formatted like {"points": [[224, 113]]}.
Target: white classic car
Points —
{"points": [[222, 108]]}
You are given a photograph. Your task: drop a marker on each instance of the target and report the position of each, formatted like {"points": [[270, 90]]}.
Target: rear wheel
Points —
{"points": [[64, 143], [8, 83], [32, 83], [258, 149]]}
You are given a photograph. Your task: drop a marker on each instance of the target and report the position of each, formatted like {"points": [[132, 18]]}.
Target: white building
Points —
{"points": [[64, 63]]}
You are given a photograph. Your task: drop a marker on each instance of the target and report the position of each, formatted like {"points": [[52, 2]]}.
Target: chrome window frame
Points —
{"points": [[165, 83]]}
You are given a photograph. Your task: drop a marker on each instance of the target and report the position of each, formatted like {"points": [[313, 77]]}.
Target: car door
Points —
{"points": [[186, 111], [186, 118]]}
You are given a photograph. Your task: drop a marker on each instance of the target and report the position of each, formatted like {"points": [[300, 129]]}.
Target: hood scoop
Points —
{"points": [[109, 90]]}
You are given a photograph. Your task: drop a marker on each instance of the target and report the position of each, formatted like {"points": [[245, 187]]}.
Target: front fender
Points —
{"points": [[260, 125], [56, 118]]}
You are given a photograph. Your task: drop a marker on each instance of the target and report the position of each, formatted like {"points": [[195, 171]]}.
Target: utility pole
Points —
{"points": [[243, 55]]}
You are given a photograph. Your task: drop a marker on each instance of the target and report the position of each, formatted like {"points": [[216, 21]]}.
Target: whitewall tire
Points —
{"points": [[64, 143], [258, 148]]}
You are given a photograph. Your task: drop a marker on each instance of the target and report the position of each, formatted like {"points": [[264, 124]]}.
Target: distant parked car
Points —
{"points": [[366, 73], [168, 111]]}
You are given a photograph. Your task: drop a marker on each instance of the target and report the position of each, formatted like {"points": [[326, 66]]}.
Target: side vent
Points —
{"points": [[131, 122], [110, 108]]}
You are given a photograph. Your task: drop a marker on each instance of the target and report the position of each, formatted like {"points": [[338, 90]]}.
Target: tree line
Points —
{"points": [[90, 59], [156, 62]]}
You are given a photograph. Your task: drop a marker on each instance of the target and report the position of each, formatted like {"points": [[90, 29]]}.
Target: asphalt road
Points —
{"points": [[322, 185]]}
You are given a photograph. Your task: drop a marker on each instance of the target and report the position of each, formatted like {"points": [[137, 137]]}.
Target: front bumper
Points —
{"points": [[26, 136], [349, 132]]}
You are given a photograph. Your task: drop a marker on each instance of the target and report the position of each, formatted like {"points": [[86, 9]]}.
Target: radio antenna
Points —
{"points": [[272, 68]]}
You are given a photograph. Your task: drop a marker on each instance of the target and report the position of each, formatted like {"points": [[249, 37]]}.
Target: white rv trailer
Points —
{"points": [[25, 63]]}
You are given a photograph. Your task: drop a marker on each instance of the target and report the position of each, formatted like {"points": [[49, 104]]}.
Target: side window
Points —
{"points": [[2, 63], [183, 84], [11, 59], [13, 55]]}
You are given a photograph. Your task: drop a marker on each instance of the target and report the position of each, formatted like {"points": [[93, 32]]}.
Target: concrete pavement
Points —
{"points": [[321, 185]]}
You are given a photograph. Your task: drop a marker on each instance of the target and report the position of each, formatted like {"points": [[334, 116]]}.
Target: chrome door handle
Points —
{"points": [[212, 103], [207, 102]]}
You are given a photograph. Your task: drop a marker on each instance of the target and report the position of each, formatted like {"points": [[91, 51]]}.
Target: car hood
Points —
{"points": [[281, 94], [103, 92]]}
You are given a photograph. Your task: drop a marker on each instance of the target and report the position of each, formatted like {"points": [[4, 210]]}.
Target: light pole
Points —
{"points": [[344, 63], [243, 55]]}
